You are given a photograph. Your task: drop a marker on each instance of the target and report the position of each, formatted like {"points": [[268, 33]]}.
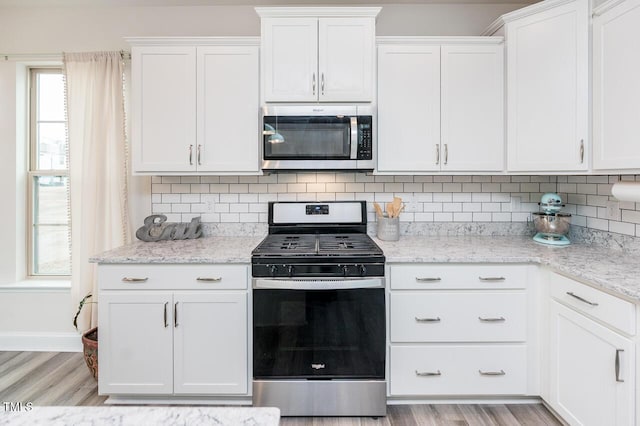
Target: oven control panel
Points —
{"points": [[313, 209]]}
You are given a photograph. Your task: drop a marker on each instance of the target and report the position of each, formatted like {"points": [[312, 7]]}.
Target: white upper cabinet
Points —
{"points": [[616, 86], [290, 59], [408, 108], [472, 132], [547, 87], [163, 92], [440, 105], [318, 54], [228, 106], [195, 105], [345, 59]]}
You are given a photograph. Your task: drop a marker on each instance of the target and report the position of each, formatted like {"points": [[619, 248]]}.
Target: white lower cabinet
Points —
{"points": [[458, 330], [490, 369], [155, 341], [592, 367]]}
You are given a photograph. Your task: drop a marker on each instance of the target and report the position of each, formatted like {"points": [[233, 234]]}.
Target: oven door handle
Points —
{"points": [[340, 284]]}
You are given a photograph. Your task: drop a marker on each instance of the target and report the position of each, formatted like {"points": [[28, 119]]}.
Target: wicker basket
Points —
{"points": [[90, 349]]}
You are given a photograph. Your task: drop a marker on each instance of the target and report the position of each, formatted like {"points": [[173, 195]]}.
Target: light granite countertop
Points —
{"points": [[218, 249], [614, 271], [136, 416]]}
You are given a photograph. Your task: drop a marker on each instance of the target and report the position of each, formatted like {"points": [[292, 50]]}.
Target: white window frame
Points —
{"points": [[33, 172]]}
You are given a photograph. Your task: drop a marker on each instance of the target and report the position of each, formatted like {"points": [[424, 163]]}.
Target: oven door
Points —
{"points": [[315, 329]]}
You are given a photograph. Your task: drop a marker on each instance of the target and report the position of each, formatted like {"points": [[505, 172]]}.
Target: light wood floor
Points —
{"points": [[52, 378]]}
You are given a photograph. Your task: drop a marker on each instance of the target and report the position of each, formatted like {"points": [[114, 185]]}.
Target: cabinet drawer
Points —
{"points": [[455, 317], [436, 276], [458, 370], [616, 312], [172, 277]]}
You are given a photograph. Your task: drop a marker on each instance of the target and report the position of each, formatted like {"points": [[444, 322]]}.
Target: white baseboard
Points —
{"points": [[40, 342]]}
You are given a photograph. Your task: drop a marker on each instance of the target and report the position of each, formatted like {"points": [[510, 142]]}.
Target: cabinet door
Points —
{"points": [[473, 108], [136, 343], [408, 108], [592, 370], [290, 48], [228, 109], [163, 91], [345, 56], [211, 343], [547, 89], [616, 87]]}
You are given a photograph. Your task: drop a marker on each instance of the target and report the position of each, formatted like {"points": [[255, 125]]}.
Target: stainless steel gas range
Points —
{"points": [[319, 312]]}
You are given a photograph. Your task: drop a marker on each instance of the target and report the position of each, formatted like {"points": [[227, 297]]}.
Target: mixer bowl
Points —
{"points": [[552, 223]]}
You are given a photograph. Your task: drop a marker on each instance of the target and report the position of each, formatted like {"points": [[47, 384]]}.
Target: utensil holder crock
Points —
{"points": [[389, 228]]}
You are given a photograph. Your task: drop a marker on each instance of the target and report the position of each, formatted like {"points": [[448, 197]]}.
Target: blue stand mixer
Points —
{"points": [[551, 225]]}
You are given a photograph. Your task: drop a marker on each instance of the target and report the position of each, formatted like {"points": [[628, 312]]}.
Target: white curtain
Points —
{"points": [[98, 167]]}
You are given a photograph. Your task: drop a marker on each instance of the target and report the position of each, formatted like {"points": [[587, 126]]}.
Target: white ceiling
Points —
{"points": [[49, 3]]}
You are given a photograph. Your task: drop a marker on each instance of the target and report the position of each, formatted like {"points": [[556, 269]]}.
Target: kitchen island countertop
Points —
{"points": [[614, 271]]}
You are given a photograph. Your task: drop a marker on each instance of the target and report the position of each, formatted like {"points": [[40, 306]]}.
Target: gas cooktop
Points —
{"points": [[323, 239]]}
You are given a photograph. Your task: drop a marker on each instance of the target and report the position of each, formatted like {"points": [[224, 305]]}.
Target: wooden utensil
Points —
{"points": [[389, 210], [378, 209]]}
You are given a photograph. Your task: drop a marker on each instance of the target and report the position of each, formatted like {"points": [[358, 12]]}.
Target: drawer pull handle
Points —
{"points": [[500, 319], [618, 379], [175, 315], [492, 279], [581, 299], [135, 280], [428, 279], [428, 373], [437, 319], [209, 279], [165, 314], [492, 373]]}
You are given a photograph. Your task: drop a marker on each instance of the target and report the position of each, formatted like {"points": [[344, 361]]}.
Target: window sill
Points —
{"points": [[37, 285]]}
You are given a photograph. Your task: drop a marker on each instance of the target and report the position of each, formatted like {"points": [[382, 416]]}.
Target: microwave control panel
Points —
{"points": [[364, 138]]}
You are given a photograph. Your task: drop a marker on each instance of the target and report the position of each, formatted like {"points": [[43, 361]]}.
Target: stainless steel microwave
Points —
{"points": [[317, 137]]}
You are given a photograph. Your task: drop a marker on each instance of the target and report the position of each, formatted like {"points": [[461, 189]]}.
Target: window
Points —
{"points": [[48, 176]]}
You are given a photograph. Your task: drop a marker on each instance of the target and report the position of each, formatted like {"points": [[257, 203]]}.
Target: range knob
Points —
{"points": [[290, 270], [363, 270], [345, 270], [272, 270]]}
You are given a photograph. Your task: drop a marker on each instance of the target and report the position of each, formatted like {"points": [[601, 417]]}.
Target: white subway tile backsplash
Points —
{"points": [[443, 197], [462, 197], [463, 217], [595, 223], [443, 217], [472, 207], [474, 187], [452, 187], [219, 188], [480, 197], [240, 188], [229, 179], [438, 198]]}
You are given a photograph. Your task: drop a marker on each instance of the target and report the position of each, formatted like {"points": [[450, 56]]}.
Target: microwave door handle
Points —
{"points": [[354, 138]]}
